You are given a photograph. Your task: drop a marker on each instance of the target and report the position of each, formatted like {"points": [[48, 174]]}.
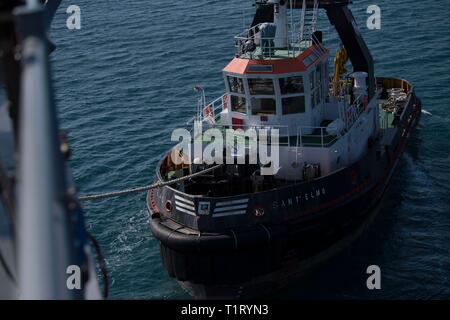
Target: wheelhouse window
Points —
{"points": [[291, 85], [236, 85], [261, 86], [238, 104], [263, 106], [293, 105]]}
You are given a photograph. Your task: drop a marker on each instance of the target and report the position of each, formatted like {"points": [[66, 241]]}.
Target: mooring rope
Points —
{"points": [[156, 185]]}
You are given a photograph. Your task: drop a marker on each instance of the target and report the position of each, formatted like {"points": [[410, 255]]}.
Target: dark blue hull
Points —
{"points": [[302, 224]]}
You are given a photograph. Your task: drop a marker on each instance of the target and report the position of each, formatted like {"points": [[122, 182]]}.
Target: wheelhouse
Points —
{"points": [[275, 94]]}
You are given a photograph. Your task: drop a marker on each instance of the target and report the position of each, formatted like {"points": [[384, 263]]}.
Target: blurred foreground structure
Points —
{"points": [[42, 232]]}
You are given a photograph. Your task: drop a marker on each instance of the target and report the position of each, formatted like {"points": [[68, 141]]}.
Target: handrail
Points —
{"points": [[302, 139], [325, 139], [268, 49], [210, 112], [243, 128], [210, 109]]}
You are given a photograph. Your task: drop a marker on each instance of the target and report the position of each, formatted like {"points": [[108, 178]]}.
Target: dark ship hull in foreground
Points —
{"points": [[234, 233]]}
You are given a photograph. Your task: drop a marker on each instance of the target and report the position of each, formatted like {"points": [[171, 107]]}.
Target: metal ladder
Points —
{"points": [[308, 20]]}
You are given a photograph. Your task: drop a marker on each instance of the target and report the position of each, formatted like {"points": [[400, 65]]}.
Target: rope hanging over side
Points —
{"points": [[145, 188]]}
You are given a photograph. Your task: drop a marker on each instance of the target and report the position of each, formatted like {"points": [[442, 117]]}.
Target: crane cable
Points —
{"points": [[156, 185]]}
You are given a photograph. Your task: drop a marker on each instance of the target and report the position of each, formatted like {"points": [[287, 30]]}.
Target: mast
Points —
{"points": [[280, 20], [341, 18]]}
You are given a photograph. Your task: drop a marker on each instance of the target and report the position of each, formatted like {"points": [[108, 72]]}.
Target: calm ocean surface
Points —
{"points": [[124, 82]]}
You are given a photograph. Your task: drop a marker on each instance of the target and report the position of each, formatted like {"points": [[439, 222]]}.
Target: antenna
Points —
{"points": [[314, 17], [302, 21]]}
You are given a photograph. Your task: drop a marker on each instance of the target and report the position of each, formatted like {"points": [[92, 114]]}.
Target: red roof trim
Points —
{"points": [[288, 65]]}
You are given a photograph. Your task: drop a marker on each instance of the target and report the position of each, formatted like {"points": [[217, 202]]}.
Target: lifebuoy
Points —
{"points": [[208, 112], [168, 206], [225, 102]]}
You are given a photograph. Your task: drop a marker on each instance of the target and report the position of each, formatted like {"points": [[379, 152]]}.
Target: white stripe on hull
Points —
{"points": [[190, 202], [186, 211], [232, 202], [232, 213], [181, 204]]}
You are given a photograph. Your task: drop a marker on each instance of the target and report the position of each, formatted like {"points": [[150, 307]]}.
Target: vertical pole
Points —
{"points": [[44, 248], [302, 21], [280, 19], [301, 137], [292, 30]]}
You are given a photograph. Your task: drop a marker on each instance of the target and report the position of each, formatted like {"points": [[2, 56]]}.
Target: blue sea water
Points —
{"points": [[124, 82]]}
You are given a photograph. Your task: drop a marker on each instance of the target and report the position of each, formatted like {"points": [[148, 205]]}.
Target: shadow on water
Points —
{"points": [[344, 276], [407, 240]]}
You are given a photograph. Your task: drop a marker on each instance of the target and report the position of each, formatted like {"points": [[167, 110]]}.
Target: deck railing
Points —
{"points": [[300, 136], [319, 137], [242, 131], [212, 110]]}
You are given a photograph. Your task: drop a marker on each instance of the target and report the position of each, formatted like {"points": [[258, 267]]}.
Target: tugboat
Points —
{"points": [[235, 232]]}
